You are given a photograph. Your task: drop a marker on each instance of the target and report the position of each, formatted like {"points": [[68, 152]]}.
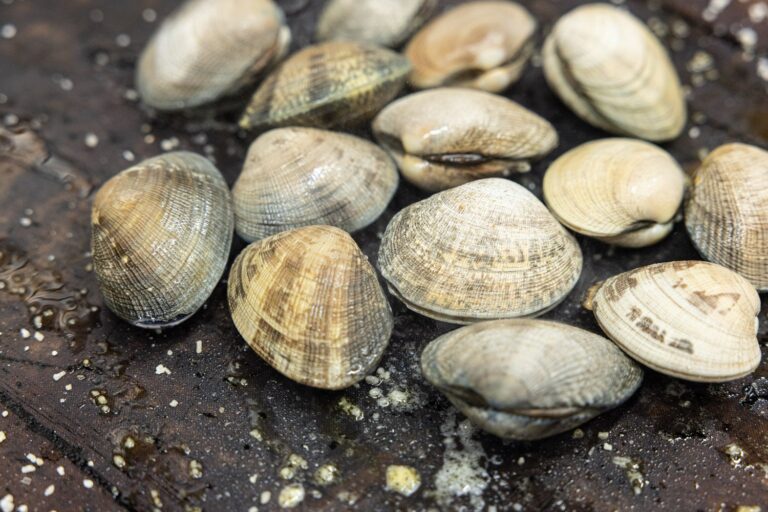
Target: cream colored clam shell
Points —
{"points": [[296, 177], [442, 138], [483, 45], [611, 70], [727, 212], [529, 379], [621, 191], [383, 22], [208, 49], [309, 303], [485, 250], [161, 236], [689, 319]]}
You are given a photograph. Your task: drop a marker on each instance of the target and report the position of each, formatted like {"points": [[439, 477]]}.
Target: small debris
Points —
{"points": [[265, 497], [633, 470], [351, 409], [291, 495], [602, 435], [58, 376], [118, 460], [578, 434], [29, 468], [91, 140], [403, 480], [199, 346], [25, 333], [174, 403], [195, 469], [735, 453], [326, 474], [123, 40], [87, 483], [608, 447], [39, 336], [8, 31], [2, 436], [6, 504], [60, 471], [160, 369], [49, 490]]}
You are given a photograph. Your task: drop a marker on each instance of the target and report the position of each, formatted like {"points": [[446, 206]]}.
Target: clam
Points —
{"points": [[485, 250], [209, 49], [446, 137], [309, 303], [161, 236], [333, 84], [529, 379], [621, 191], [296, 177], [386, 23], [608, 67], [483, 45], [689, 319], [727, 212]]}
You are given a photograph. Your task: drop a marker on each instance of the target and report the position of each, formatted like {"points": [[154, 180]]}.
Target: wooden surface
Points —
{"points": [[139, 420]]}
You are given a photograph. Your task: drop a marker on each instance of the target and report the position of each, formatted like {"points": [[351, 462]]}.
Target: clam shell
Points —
{"points": [[208, 49], [485, 250], [621, 191], [296, 177], [689, 319], [309, 303], [483, 45], [161, 236], [386, 23], [442, 138], [612, 71], [529, 379], [333, 84], [727, 211]]}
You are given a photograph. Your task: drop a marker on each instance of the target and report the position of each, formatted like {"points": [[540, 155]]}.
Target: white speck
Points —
{"points": [[25, 221], [6, 504], [602, 435], [5, 414], [29, 468], [608, 447], [129, 156], [169, 144], [521, 461], [123, 40], [39, 336], [54, 352], [8, 31], [748, 39], [160, 369], [68, 387], [88, 484], [58, 376], [149, 15], [66, 84], [131, 95], [34, 459], [714, 9], [11, 119], [170, 352], [60, 470], [762, 68], [25, 333], [49, 490], [694, 132], [199, 346], [91, 140], [758, 12], [2, 436], [291, 495], [265, 497], [174, 403]]}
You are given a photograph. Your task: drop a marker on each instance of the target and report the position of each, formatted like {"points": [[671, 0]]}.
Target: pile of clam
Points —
{"points": [[479, 249]]}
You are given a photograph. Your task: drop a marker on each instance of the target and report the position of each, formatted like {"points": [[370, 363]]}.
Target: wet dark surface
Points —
{"points": [[140, 420]]}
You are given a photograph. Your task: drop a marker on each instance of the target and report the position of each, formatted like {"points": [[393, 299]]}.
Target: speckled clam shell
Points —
{"points": [[209, 49], [485, 250], [333, 84], [689, 319], [529, 379], [483, 45], [442, 138], [161, 236], [295, 177], [309, 303], [621, 191], [609, 68], [386, 23], [727, 211]]}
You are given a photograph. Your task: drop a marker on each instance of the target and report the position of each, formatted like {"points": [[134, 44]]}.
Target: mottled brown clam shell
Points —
{"points": [[309, 303], [485, 250], [161, 236], [333, 84]]}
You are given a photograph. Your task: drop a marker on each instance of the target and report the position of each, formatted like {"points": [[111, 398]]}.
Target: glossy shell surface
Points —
{"points": [[161, 237], [689, 319], [621, 191], [442, 138], [529, 379]]}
